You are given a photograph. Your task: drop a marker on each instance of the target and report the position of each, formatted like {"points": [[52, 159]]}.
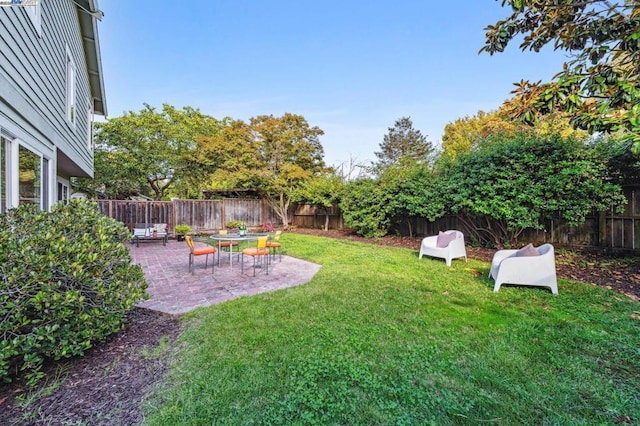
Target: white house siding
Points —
{"points": [[33, 93]]}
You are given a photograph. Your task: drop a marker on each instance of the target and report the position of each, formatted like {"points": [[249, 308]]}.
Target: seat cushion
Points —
{"points": [[203, 250], [444, 239], [228, 243], [254, 251], [528, 250]]}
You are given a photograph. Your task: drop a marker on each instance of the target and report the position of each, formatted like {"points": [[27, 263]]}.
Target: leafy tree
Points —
{"points": [[403, 145], [623, 166], [148, 152], [290, 152], [599, 86], [323, 191], [231, 158], [468, 133], [517, 183]]}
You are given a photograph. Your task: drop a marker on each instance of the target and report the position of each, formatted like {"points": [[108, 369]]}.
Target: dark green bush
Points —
{"points": [[66, 282]]}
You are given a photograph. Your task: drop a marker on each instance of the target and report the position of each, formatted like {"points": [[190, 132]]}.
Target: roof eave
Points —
{"points": [[88, 13]]}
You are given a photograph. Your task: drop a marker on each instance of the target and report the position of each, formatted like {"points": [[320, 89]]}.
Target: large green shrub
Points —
{"points": [[372, 207], [66, 281], [514, 184]]}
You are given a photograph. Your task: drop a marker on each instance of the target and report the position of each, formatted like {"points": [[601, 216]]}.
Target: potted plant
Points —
{"points": [[181, 231], [234, 225]]}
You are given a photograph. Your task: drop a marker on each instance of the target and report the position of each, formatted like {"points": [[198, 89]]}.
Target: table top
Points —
{"points": [[237, 237]]}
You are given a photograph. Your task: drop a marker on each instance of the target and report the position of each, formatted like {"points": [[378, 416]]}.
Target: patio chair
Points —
{"points": [[446, 245], [260, 251], [226, 244], [274, 245], [525, 267], [199, 251]]}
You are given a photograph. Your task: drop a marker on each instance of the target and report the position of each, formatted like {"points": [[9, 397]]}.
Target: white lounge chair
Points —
{"points": [[526, 270], [453, 250]]}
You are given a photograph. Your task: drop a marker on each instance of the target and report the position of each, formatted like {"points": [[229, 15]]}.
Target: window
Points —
{"points": [[71, 88], [63, 192], [29, 177]]}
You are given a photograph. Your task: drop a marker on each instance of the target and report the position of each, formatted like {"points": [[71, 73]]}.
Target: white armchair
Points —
{"points": [[453, 250], [527, 270]]}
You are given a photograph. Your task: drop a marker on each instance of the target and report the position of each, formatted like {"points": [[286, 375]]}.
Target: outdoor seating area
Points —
{"points": [[150, 232], [528, 266], [175, 289]]}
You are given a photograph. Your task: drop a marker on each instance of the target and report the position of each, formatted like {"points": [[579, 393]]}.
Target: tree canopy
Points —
{"points": [[403, 144], [290, 151], [598, 87], [146, 152], [468, 133]]}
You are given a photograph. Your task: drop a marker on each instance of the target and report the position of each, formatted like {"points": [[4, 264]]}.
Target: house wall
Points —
{"points": [[33, 108]]}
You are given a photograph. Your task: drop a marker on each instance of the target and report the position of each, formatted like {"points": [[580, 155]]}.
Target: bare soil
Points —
{"points": [[109, 384]]}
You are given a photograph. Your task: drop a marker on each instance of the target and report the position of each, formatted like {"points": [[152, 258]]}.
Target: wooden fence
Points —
{"points": [[603, 230], [200, 215]]}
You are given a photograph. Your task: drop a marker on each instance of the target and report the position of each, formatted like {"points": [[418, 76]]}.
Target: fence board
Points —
{"points": [[246, 210], [200, 215]]}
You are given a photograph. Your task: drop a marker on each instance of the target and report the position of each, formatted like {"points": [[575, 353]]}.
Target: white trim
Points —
{"points": [[71, 72], [90, 128], [8, 141]]}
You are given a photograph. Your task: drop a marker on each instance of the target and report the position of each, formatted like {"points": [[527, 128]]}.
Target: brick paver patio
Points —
{"points": [[174, 290]]}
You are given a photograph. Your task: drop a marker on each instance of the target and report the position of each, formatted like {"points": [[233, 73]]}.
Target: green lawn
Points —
{"points": [[381, 337]]}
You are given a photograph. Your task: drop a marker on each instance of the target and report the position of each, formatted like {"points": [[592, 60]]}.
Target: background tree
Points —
{"points": [[403, 145], [515, 184], [291, 153], [231, 158], [323, 191], [148, 152], [468, 133], [599, 86]]}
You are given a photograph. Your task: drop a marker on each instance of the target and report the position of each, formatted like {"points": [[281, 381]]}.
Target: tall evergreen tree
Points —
{"points": [[403, 145]]}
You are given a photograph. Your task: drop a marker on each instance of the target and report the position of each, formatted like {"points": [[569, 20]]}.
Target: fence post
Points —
{"points": [[602, 229], [173, 215]]}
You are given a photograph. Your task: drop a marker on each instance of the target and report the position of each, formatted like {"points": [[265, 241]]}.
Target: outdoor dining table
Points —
{"points": [[235, 237]]}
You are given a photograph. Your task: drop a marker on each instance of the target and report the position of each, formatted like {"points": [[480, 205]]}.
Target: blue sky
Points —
{"points": [[351, 68]]}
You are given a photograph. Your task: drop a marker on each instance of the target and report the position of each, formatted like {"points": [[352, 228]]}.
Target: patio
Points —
{"points": [[175, 291]]}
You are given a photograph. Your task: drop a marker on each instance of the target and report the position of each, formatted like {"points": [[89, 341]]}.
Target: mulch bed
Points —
{"points": [[108, 384]]}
